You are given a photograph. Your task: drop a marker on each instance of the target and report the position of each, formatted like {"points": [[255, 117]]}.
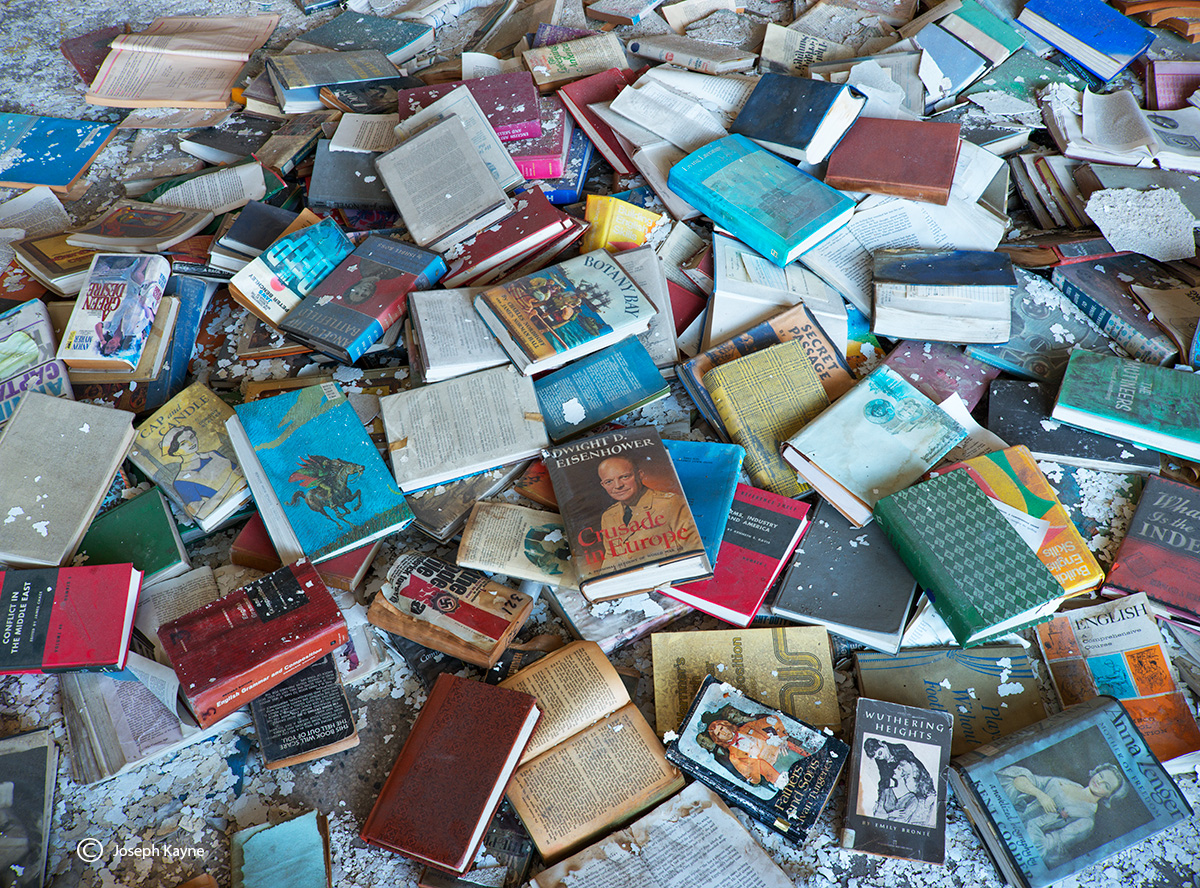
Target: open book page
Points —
{"points": [[724, 94], [575, 686], [681, 121], [788, 51], [893, 223], [596, 779], [450, 330], [228, 37], [635, 134], [973, 171], [170, 599], [132, 79], [221, 190], [845, 264], [689, 841], [1115, 122]]}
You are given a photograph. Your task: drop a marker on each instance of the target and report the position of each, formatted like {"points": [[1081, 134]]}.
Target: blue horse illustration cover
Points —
{"points": [[331, 482]]}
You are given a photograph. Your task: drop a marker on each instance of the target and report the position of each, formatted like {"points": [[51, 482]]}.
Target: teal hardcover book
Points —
{"points": [[708, 473], [762, 200], [48, 151], [318, 481]]}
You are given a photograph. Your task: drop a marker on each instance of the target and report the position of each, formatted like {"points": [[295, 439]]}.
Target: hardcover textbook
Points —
{"points": [[797, 117]]}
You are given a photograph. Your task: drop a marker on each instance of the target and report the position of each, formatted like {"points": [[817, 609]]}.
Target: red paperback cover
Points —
{"points": [[602, 87], [239, 647], [533, 223], [452, 772], [761, 534], [509, 102], [545, 156], [61, 619]]}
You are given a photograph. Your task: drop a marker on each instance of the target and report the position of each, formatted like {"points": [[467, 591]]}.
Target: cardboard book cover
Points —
{"points": [[111, 321], [240, 646], [896, 800], [776, 768]]}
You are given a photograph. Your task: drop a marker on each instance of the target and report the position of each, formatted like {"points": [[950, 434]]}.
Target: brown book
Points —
{"points": [[904, 158], [452, 772], [593, 746]]}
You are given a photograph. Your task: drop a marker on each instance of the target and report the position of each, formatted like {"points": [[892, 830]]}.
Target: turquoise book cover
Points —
{"points": [[708, 473], [331, 483], [25, 161]]}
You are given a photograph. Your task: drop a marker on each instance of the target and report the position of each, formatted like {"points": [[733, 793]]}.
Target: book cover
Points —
{"points": [[1065, 793], [350, 308], [140, 531], [762, 200], [1092, 33], [426, 810], [561, 63], [568, 188], [301, 70], [509, 101], [708, 473], [598, 388], [984, 32], [1159, 553], [305, 716], [979, 573], [345, 180], [59, 619], [788, 667], [132, 227], [277, 280], [603, 86], [57, 264], [398, 39], [762, 400], [319, 480], [48, 151], [452, 609], [938, 370], [252, 547], [256, 227], [1115, 648], [49, 378], [629, 525], [958, 65], [991, 690], [913, 159], [26, 337], [797, 117], [565, 311], [777, 769], [762, 530], [896, 798], [831, 566], [185, 449], [517, 542], [543, 156], [112, 317], [616, 225], [479, 259], [238, 647], [1156, 407], [30, 761]]}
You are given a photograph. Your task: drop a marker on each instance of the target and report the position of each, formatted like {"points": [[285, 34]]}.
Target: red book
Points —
{"points": [[508, 101], [237, 648], [87, 52], [545, 156], [913, 159], [763, 531], [685, 306], [452, 773], [1169, 83], [64, 619], [534, 223], [602, 87], [252, 547]]}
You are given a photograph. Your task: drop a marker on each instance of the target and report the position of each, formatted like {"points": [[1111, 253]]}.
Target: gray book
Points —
{"points": [[57, 460], [346, 179]]}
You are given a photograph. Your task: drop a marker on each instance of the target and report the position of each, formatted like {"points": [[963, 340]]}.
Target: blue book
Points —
{"points": [[600, 387], [765, 202], [194, 294], [708, 473], [398, 39], [1092, 33], [48, 151], [568, 188], [797, 117], [318, 481], [960, 64]]}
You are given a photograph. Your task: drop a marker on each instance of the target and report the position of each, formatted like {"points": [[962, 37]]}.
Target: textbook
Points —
{"points": [[762, 200], [913, 159], [26, 162], [110, 324], [797, 117]]}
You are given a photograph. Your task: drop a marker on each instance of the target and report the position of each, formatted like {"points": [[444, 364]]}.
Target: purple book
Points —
{"points": [[509, 101], [938, 370]]}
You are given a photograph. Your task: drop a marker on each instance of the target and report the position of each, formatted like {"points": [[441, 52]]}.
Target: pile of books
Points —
{"points": [[388, 309]]}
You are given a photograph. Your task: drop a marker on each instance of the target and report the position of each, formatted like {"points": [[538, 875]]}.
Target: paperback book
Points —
{"points": [[111, 321]]}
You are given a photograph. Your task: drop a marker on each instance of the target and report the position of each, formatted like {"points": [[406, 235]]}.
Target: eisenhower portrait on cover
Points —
{"points": [[641, 521]]}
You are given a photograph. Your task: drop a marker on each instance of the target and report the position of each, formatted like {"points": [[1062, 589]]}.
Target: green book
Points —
{"points": [[980, 575], [141, 531], [975, 26], [1154, 406]]}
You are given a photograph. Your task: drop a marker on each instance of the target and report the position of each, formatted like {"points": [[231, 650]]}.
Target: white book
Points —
{"points": [[645, 269], [453, 339]]}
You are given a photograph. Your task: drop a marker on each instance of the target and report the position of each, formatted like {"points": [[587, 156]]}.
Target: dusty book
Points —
{"points": [[184, 448], [298, 77], [776, 768], [614, 623], [30, 761], [111, 321], [48, 151], [453, 340], [452, 609], [53, 262], [240, 646], [592, 743], [508, 100], [553, 66], [789, 667], [140, 530], [695, 55], [132, 227], [442, 510], [516, 541], [304, 717], [425, 810], [629, 525], [896, 799], [877, 157], [252, 547]]}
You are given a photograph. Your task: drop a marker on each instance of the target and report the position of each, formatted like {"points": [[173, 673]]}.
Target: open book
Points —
{"points": [[592, 745]]}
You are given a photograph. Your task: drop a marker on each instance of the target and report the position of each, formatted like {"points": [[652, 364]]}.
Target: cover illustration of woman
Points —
{"points": [[204, 478]]}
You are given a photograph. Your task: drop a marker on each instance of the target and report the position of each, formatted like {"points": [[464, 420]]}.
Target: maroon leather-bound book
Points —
{"points": [[913, 159], [452, 773], [508, 101], [237, 648], [602, 87], [534, 223]]}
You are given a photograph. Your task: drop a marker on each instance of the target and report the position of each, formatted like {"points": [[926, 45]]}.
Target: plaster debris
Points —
{"points": [[1154, 223]]}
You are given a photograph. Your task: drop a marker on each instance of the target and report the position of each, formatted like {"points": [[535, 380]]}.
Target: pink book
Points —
{"points": [[545, 156], [602, 87], [509, 101], [534, 223], [1168, 84], [937, 370]]}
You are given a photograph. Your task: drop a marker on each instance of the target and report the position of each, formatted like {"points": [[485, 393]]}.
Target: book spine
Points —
{"points": [[1157, 350], [690, 377], [542, 166], [515, 130]]}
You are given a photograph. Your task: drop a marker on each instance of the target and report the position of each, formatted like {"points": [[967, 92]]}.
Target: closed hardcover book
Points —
{"points": [[797, 117], [252, 547], [760, 535], [913, 159], [61, 619], [764, 201], [317, 479], [979, 573], [479, 259], [140, 531], [399, 40], [48, 150], [345, 180], [427, 810], [352, 306], [776, 768], [544, 156], [240, 646], [579, 95], [959, 64], [509, 101], [939, 370], [896, 798], [256, 227], [1091, 32]]}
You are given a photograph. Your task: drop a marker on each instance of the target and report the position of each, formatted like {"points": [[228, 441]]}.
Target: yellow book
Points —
{"points": [[617, 225]]}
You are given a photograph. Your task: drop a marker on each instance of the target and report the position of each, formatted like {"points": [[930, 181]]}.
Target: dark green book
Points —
{"points": [[140, 531], [981, 577]]}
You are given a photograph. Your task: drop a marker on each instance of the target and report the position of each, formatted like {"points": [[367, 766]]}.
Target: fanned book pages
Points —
{"points": [[317, 479]]}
